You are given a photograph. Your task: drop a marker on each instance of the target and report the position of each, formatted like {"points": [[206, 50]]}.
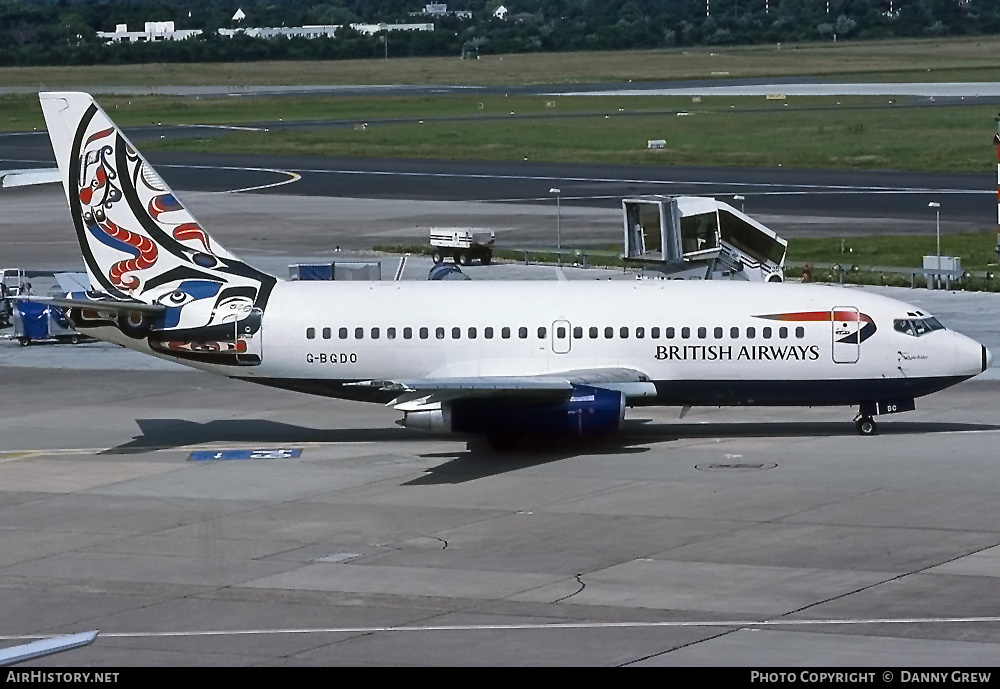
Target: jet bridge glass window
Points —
{"points": [[749, 239], [310, 333], [917, 326], [699, 232]]}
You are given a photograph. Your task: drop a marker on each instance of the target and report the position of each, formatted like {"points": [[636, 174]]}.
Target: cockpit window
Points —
{"points": [[917, 326]]}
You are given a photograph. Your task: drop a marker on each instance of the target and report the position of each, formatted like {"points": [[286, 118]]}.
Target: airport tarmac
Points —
{"points": [[742, 537]]}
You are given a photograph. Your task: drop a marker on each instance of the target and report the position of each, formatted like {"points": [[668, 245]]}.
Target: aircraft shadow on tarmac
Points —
{"points": [[479, 459]]}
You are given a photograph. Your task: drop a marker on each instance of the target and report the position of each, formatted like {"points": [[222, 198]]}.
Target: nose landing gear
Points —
{"points": [[866, 425]]}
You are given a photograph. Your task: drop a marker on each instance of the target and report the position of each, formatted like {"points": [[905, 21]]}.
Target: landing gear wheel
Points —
{"points": [[437, 257], [462, 258], [866, 426], [24, 341]]}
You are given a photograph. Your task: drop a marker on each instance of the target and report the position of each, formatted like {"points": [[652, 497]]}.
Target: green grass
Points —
{"points": [[944, 138], [905, 60], [977, 250]]}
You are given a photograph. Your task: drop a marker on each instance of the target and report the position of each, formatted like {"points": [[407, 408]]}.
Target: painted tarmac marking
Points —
{"points": [[750, 624], [270, 453]]}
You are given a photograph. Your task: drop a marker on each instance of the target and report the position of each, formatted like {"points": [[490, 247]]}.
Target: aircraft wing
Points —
{"points": [[419, 392], [24, 178]]}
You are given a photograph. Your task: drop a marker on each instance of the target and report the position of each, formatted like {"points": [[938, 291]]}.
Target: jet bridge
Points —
{"points": [[700, 237]]}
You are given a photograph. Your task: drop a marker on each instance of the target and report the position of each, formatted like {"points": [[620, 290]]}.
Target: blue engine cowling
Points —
{"points": [[586, 411]]}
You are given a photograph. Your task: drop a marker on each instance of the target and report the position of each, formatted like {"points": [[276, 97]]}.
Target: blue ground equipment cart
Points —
{"points": [[38, 322]]}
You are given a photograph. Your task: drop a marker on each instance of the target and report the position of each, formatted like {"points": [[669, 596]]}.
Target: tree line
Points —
{"points": [[64, 32]]}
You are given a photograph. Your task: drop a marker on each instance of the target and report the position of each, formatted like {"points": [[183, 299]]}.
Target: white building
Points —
{"points": [[154, 31], [372, 29], [307, 31], [500, 12]]}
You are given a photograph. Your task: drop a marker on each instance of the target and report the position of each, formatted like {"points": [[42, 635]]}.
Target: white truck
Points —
{"points": [[463, 246]]}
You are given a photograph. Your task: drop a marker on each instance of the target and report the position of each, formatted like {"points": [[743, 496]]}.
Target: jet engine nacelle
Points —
{"points": [[586, 411]]}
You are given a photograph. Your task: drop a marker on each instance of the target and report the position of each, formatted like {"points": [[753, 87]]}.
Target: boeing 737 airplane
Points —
{"points": [[504, 358]]}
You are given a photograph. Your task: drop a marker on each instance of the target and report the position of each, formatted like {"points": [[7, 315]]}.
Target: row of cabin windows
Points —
{"points": [[593, 333]]}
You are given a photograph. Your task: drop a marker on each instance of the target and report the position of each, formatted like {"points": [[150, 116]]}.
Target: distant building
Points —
{"points": [[154, 31], [308, 31], [500, 12], [371, 29], [440, 9]]}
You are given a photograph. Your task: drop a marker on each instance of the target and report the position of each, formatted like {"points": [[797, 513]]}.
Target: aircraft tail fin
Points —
{"points": [[131, 226], [155, 275]]}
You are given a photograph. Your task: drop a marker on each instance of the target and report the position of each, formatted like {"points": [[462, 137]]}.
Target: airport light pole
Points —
{"points": [[740, 198], [937, 223], [558, 193]]}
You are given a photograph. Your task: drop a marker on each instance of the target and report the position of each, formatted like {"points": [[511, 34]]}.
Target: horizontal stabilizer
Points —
{"points": [[104, 304]]}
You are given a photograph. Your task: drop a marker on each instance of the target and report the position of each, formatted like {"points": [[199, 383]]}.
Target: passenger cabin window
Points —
{"points": [[423, 333], [390, 333], [505, 333], [670, 333], [766, 333], [783, 333], [542, 332], [623, 333], [375, 333], [407, 333], [718, 333], [472, 333], [593, 333], [439, 333], [342, 333], [800, 332], [916, 326], [326, 333], [359, 333], [751, 333], [702, 333], [577, 332], [654, 333], [640, 333], [488, 333], [456, 333], [522, 333], [609, 332], [734, 333], [310, 333], [685, 332]]}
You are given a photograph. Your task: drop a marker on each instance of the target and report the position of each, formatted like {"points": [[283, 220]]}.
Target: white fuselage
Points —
{"points": [[707, 338]]}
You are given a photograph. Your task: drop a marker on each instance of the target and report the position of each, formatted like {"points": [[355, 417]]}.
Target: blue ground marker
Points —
{"points": [[276, 453]]}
